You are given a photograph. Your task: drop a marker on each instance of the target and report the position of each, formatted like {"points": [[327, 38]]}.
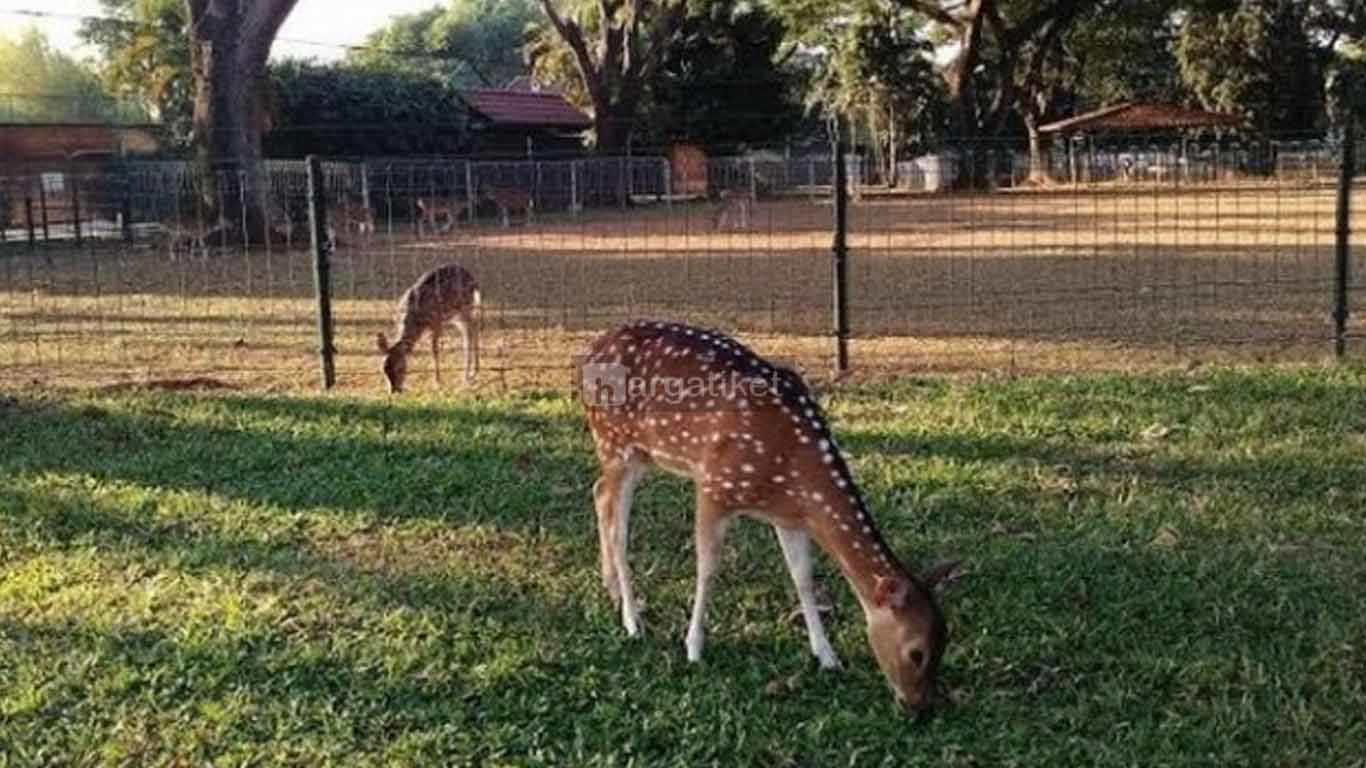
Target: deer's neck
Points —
{"points": [[844, 528]]}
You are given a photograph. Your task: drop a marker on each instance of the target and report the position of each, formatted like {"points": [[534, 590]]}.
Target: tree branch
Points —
{"points": [[572, 35], [935, 12], [262, 23]]}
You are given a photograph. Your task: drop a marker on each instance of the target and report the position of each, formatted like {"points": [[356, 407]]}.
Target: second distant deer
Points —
{"points": [[445, 294]]}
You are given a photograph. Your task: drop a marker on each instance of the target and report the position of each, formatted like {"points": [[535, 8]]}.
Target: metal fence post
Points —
{"points": [[28, 221], [668, 192], [470, 194], [1343, 265], [840, 251], [76, 209], [42, 206], [126, 210], [322, 268], [574, 186]]}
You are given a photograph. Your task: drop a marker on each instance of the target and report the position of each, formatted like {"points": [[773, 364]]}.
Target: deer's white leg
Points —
{"points": [[626, 478], [436, 351], [710, 525], [797, 552], [467, 333], [604, 505]]}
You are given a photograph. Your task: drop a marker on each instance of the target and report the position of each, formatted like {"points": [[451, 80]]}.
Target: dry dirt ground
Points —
{"points": [[1112, 279]]}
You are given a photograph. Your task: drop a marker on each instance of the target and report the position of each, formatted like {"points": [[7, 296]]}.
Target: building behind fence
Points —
{"points": [[1140, 254]]}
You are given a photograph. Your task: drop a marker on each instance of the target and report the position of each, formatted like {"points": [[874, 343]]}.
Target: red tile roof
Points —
{"points": [[548, 110], [1141, 117]]}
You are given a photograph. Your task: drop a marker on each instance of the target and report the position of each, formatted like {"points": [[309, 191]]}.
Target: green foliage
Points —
{"points": [[1162, 571], [145, 58], [1257, 59], [466, 44], [870, 62], [720, 83], [356, 111], [1124, 52], [40, 84]]}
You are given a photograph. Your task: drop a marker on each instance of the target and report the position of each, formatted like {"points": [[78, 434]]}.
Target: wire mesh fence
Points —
{"points": [[957, 261]]}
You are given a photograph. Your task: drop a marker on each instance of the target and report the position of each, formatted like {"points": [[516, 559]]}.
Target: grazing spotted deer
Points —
{"points": [[354, 216], [735, 209], [754, 442], [440, 215], [444, 294], [511, 200], [183, 245]]}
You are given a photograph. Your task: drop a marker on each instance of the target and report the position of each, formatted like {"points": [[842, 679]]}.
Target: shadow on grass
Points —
{"points": [[461, 463]]}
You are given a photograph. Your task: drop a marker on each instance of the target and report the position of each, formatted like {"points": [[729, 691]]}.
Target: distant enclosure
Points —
{"points": [[1152, 256]]}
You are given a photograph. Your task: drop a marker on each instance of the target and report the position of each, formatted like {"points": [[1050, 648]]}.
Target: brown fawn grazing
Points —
{"points": [[439, 215], [445, 294], [754, 441], [354, 216], [511, 201], [735, 210]]}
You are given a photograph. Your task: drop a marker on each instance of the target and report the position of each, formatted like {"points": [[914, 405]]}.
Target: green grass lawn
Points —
{"points": [[1164, 571]]}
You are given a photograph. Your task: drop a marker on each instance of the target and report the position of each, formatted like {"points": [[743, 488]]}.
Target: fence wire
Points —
{"points": [[971, 260]]}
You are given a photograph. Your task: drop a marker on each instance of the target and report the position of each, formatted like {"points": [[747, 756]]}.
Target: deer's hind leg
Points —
{"points": [[470, 334], [436, 351], [710, 523], [612, 495]]}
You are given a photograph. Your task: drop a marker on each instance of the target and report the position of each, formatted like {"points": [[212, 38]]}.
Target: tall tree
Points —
{"points": [[465, 44], [145, 57], [40, 83], [875, 69], [1260, 58], [230, 42], [721, 82], [617, 46]]}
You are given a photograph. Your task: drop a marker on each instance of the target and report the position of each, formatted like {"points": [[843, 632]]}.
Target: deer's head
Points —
{"points": [[395, 363], [907, 633]]}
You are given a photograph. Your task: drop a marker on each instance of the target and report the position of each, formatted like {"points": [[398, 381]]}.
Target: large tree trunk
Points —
{"points": [[230, 42]]}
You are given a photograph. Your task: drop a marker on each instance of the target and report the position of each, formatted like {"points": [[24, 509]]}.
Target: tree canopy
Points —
{"points": [[41, 84], [732, 73], [359, 111], [144, 58], [465, 44]]}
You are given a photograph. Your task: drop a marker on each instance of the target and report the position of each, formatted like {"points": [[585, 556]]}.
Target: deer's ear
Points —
{"points": [[942, 575], [890, 592]]}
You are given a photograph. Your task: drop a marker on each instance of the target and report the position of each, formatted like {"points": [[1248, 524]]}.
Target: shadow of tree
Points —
{"points": [[481, 464]]}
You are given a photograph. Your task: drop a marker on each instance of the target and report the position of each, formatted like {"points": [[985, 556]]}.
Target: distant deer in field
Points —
{"points": [[353, 216], [510, 201], [445, 294], [753, 440], [440, 214], [183, 245], [735, 209]]}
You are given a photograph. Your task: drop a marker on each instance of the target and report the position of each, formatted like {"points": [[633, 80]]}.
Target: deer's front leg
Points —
{"points": [[470, 335], [436, 351], [796, 546], [710, 525]]}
